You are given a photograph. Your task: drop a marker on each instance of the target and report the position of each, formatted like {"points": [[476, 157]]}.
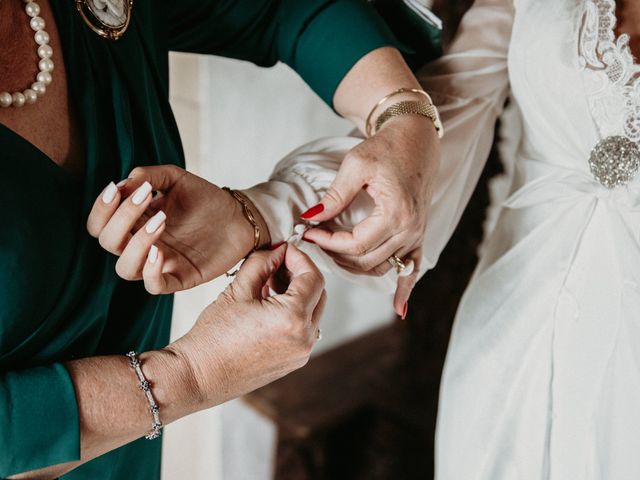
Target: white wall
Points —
{"points": [[237, 120]]}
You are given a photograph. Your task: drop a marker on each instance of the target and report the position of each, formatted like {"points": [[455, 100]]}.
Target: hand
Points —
{"points": [[189, 233], [396, 167], [246, 338]]}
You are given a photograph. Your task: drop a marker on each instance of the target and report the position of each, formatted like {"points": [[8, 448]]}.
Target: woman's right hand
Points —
{"points": [[246, 338], [242, 341]]}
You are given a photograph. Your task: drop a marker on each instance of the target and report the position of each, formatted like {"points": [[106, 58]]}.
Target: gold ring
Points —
{"points": [[397, 263]]}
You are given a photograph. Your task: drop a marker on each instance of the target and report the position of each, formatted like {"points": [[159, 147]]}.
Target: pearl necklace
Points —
{"points": [[45, 65]]}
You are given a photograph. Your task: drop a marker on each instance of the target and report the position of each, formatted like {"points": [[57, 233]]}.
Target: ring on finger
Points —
{"points": [[403, 268], [397, 263]]}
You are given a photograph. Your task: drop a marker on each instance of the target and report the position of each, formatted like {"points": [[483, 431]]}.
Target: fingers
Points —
{"points": [[156, 280], [114, 235], [161, 177], [365, 236], [130, 264], [375, 261], [339, 195], [406, 284], [307, 283], [103, 208], [256, 272], [111, 219]]}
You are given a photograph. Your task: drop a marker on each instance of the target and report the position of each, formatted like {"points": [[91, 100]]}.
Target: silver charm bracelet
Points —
{"points": [[156, 426]]}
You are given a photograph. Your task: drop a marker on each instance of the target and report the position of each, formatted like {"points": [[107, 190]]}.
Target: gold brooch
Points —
{"points": [[108, 18]]}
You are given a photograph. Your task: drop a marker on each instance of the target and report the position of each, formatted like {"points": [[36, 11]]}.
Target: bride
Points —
{"points": [[542, 379]]}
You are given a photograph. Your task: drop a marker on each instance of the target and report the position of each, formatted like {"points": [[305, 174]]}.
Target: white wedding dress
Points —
{"points": [[542, 378]]}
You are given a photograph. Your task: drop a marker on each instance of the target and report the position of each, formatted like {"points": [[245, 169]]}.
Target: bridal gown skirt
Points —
{"points": [[542, 379]]}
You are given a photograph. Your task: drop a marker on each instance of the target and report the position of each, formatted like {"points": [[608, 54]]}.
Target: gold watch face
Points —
{"points": [[108, 18]]}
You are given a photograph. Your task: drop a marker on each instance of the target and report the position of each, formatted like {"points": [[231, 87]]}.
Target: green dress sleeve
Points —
{"points": [[42, 402], [320, 39]]}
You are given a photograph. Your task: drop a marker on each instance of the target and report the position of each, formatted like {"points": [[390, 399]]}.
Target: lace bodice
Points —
{"points": [[611, 75]]}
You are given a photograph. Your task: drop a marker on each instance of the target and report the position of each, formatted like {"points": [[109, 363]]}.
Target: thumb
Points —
{"points": [[307, 283], [338, 196], [256, 272]]}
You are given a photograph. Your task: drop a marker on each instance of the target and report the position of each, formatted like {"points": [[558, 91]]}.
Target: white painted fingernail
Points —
{"points": [[122, 183], [155, 222], [109, 193], [153, 254], [141, 193]]}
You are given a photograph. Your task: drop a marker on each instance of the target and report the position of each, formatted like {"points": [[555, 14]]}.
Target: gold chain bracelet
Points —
{"points": [[408, 107], [435, 116], [248, 214]]}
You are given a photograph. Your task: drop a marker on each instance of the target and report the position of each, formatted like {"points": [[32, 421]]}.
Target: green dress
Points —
{"points": [[60, 298]]}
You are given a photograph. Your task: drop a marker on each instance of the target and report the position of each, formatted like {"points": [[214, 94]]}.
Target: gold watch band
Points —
{"points": [[411, 107]]}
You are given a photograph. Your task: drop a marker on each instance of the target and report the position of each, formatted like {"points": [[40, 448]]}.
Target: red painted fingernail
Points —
{"points": [[308, 240], [312, 212], [405, 309], [277, 245]]}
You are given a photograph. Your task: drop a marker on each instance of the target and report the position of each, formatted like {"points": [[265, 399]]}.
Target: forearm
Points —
{"points": [[373, 77], [113, 411]]}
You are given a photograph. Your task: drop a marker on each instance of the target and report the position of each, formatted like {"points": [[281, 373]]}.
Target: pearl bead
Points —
{"points": [[39, 88], [41, 37], [45, 51], [5, 99], [44, 77], [45, 65], [30, 96], [37, 23], [18, 99], [32, 9]]}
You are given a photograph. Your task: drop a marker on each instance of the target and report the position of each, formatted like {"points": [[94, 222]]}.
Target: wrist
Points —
{"points": [[391, 106], [173, 383], [413, 126], [247, 230], [419, 133], [265, 235], [244, 229]]}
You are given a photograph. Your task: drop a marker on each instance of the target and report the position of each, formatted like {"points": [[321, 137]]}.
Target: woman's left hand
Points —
{"points": [[190, 232], [397, 168]]}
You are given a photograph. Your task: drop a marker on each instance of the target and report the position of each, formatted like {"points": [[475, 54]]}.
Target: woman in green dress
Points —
{"points": [[69, 402]]}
